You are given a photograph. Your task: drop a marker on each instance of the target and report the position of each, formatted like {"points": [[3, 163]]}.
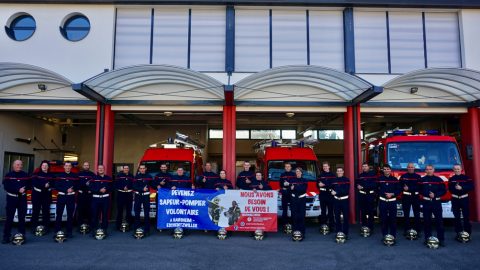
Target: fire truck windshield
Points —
{"points": [[153, 167], [277, 167], [442, 155]]}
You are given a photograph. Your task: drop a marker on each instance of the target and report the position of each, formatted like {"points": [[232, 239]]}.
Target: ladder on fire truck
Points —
{"points": [[180, 141], [304, 142]]}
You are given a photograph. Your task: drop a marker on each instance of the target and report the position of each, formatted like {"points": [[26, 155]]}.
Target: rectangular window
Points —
{"points": [[326, 39], [218, 134], [265, 134], [243, 134], [406, 41], [252, 40], [170, 37], [289, 134], [371, 50], [330, 134], [443, 39], [215, 134], [289, 37], [132, 44], [208, 40]]}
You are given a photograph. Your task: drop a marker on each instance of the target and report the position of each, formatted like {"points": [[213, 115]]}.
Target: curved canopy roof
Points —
{"points": [[16, 74], [343, 86], [20, 83], [116, 83], [438, 84]]}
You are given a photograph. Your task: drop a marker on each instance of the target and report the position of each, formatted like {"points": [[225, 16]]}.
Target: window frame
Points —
{"points": [[65, 28], [12, 27]]}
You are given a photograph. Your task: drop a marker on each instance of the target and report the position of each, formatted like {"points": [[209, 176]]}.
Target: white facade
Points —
{"points": [[194, 37], [47, 48], [295, 56]]}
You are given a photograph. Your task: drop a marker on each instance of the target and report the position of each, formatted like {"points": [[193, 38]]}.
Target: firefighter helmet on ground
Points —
{"points": [[222, 234], [389, 240], [18, 239], [60, 237], [178, 233], [340, 238], [297, 236], [100, 234], [433, 242], [40, 230], [365, 231], [324, 229]]}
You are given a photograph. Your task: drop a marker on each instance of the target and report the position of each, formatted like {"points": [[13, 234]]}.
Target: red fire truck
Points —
{"points": [[56, 167], [422, 148], [179, 152], [271, 157]]}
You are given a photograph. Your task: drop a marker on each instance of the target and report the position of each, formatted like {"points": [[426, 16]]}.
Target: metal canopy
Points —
{"points": [[16, 74], [328, 81], [114, 83], [28, 84], [459, 85]]}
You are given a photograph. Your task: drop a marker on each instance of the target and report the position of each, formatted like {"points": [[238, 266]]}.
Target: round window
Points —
{"points": [[75, 28], [21, 27]]}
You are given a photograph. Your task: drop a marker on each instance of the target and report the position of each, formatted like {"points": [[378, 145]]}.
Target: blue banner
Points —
{"points": [[187, 208]]}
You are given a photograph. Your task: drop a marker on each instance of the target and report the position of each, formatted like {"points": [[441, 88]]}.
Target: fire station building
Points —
{"points": [[102, 80]]}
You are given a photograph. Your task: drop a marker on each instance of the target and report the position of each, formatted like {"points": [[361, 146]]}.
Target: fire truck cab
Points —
{"points": [[271, 159], [181, 152], [400, 147]]}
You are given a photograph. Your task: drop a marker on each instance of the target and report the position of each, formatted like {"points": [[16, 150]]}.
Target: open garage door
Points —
{"points": [[34, 136]]}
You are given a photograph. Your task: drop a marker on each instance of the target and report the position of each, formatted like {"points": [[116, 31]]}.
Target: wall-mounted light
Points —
{"points": [[168, 114], [42, 87], [290, 114], [413, 90]]}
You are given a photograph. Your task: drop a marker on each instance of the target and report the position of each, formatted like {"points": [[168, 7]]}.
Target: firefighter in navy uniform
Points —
{"points": [[100, 187], [366, 185], [16, 183], [162, 177], [259, 183], [42, 195], [459, 186], [409, 184], [431, 188], [84, 198], [207, 179], [222, 182], [159, 181], [325, 196], [298, 188], [388, 190], [141, 185], [180, 180], [124, 185], [245, 177], [66, 184], [340, 191], [285, 191]]}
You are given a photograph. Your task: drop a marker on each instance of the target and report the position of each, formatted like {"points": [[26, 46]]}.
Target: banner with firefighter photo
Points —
{"points": [[235, 210]]}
